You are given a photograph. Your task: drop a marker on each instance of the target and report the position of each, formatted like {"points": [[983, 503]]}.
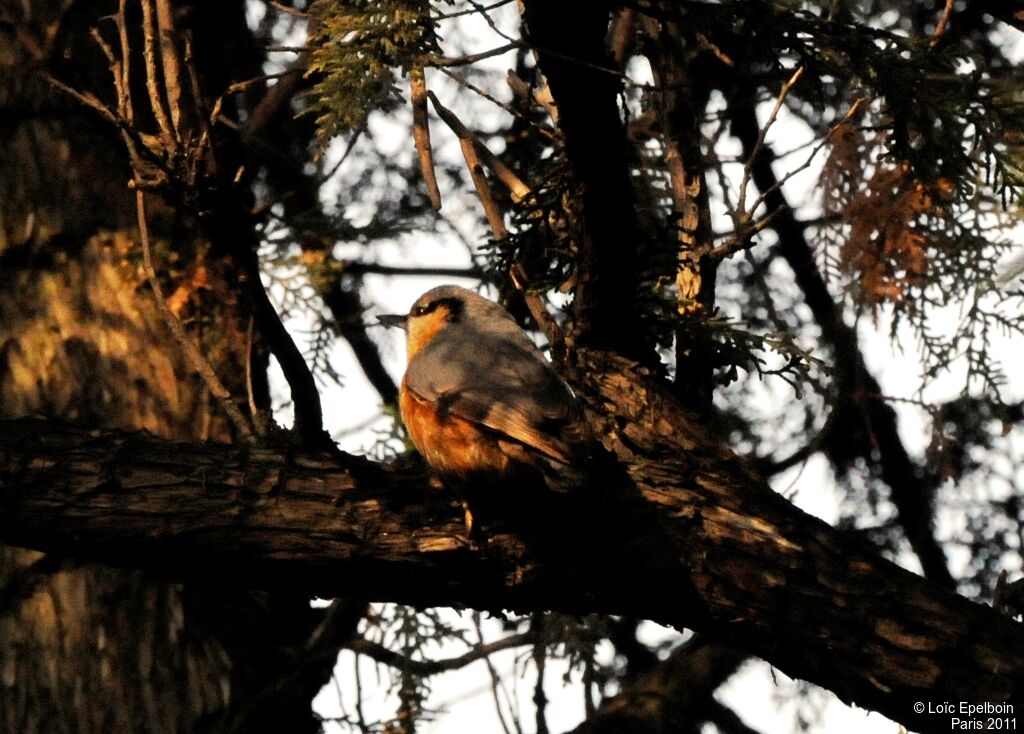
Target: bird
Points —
{"points": [[479, 400]]}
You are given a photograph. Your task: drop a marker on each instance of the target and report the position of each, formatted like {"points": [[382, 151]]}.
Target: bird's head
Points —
{"points": [[444, 307]]}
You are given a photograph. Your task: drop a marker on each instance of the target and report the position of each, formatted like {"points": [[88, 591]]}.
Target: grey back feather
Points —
{"points": [[485, 369]]}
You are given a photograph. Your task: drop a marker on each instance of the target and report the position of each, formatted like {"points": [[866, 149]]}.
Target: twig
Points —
{"points": [[145, 176], [361, 718], [817, 443], [122, 88], [125, 112], [274, 48], [854, 109], [128, 113], [170, 63], [535, 305], [589, 685], [115, 68], [496, 686], [744, 230], [493, 212], [301, 383], [357, 133], [518, 190], [254, 412], [152, 81], [940, 28], [361, 268], [476, 153], [540, 700], [477, 8], [783, 93], [271, 97], [205, 138], [741, 240], [488, 19], [425, 668], [718, 53], [191, 351], [281, 8], [421, 134], [473, 58], [85, 98], [496, 218], [463, 82], [715, 163]]}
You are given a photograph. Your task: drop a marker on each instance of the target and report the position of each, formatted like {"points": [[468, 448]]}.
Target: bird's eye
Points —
{"points": [[453, 306]]}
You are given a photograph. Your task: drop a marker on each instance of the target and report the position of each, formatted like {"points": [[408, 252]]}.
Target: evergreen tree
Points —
{"points": [[180, 178]]}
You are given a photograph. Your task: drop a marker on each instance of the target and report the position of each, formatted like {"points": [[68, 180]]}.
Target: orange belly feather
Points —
{"points": [[452, 446]]}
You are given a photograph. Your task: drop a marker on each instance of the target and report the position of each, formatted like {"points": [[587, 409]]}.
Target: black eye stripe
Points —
{"points": [[454, 306]]}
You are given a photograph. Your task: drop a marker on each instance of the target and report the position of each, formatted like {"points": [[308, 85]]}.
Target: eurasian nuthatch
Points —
{"points": [[479, 400]]}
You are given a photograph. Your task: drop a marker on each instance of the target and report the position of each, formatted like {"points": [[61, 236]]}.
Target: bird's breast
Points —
{"points": [[453, 446]]}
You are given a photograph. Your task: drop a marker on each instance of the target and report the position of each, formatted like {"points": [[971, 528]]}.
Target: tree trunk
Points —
{"points": [[89, 648]]}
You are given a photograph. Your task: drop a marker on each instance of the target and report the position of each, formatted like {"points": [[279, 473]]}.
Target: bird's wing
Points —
{"points": [[504, 385]]}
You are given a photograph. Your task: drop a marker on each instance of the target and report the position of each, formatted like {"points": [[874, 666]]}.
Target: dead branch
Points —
{"points": [[421, 134], [471, 152], [170, 65], [762, 133], [153, 81], [940, 27], [473, 58], [517, 189]]}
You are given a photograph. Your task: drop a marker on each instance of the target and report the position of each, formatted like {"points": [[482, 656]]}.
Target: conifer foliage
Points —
{"points": [[723, 220]]}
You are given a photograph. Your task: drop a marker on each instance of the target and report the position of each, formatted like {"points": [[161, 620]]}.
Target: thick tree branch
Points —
{"points": [[301, 383], [581, 73], [288, 675], [686, 536], [682, 96], [675, 695]]}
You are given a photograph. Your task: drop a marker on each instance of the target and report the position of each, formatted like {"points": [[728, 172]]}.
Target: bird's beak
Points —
{"points": [[393, 319]]}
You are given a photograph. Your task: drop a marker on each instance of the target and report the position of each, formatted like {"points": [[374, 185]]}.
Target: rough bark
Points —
{"points": [[581, 73], [686, 536], [674, 697], [85, 647]]}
